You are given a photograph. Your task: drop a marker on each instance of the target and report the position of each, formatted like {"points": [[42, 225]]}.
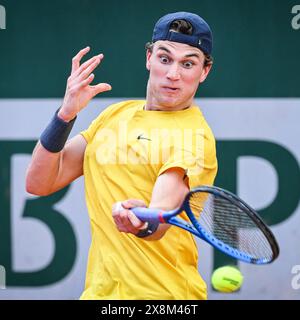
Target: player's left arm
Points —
{"points": [[168, 193]]}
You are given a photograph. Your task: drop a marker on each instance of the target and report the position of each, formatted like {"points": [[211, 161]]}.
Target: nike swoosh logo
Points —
{"points": [[140, 137]]}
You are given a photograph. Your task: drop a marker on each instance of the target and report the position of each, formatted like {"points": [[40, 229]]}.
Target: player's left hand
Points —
{"points": [[125, 220]]}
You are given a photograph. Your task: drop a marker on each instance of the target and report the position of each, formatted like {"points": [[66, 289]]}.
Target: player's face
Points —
{"points": [[176, 70]]}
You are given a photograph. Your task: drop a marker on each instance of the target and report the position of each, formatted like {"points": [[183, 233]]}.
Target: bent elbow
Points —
{"points": [[35, 189]]}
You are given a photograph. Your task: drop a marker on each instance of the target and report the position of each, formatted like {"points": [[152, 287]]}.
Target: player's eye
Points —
{"points": [[164, 59], [188, 64]]}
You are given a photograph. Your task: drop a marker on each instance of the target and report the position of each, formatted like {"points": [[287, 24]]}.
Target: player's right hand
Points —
{"points": [[125, 220], [79, 91]]}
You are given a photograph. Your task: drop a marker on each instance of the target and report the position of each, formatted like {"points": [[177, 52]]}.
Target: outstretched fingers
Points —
{"points": [[82, 75], [85, 72], [85, 69], [76, 60], [79, 90]]}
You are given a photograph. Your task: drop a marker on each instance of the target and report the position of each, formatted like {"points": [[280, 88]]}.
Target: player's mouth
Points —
{"points": [[170, 89]]}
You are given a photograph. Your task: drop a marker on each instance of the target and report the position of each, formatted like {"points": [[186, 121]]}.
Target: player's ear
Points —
{"points": [[148, 56], [205, 72]]}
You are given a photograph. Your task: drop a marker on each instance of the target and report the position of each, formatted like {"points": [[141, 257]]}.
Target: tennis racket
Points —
{"points": [[223, 220]]}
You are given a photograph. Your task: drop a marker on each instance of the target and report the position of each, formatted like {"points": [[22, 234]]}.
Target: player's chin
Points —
{"points": [[170, 102]]}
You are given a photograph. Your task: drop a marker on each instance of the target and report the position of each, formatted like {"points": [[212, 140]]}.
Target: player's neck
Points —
{"points": [[153, 105]]}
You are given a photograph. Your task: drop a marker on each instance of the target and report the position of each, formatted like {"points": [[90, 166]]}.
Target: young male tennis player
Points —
{"points": [[137, 153]]}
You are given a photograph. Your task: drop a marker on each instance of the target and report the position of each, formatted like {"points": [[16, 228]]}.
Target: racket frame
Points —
{"points": [[235, 200], [171, 217]]}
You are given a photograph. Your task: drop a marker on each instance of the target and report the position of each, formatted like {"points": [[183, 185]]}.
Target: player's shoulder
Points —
{"points": [[119, 108], [196, 119], [112, 113], [126, 104], [202, 124]]}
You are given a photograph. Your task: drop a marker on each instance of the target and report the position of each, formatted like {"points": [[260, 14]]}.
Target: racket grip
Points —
{"points": [[149, 215]]}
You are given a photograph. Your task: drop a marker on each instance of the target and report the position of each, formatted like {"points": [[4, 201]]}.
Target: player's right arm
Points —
{"points": [[51, 171]]}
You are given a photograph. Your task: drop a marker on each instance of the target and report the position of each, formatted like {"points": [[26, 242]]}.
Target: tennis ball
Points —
{"points": [[227, 279]]}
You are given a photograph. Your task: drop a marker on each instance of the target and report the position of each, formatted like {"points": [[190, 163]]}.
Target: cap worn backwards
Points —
{"points": [[201, 36]]}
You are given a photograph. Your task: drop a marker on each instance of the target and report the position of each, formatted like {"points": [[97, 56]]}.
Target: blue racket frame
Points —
{"points": [[170, 217]]}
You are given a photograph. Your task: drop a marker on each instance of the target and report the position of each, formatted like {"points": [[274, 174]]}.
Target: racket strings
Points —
{"points": [[230, 224]]}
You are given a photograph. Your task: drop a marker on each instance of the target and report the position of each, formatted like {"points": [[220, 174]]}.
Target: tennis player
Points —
{"points": [[137, 153]]}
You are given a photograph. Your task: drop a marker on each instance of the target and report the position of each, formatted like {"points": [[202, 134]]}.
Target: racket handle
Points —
{"points": [[149, 215]]}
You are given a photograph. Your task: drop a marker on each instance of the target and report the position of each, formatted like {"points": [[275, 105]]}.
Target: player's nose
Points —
{"points": [[173, 72]]}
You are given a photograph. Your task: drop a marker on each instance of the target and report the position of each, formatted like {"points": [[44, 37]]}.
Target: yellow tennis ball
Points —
{"points": [[227, 279]]}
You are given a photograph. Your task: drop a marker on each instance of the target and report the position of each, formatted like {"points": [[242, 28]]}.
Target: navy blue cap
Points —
{"points": [[201, 34]]}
